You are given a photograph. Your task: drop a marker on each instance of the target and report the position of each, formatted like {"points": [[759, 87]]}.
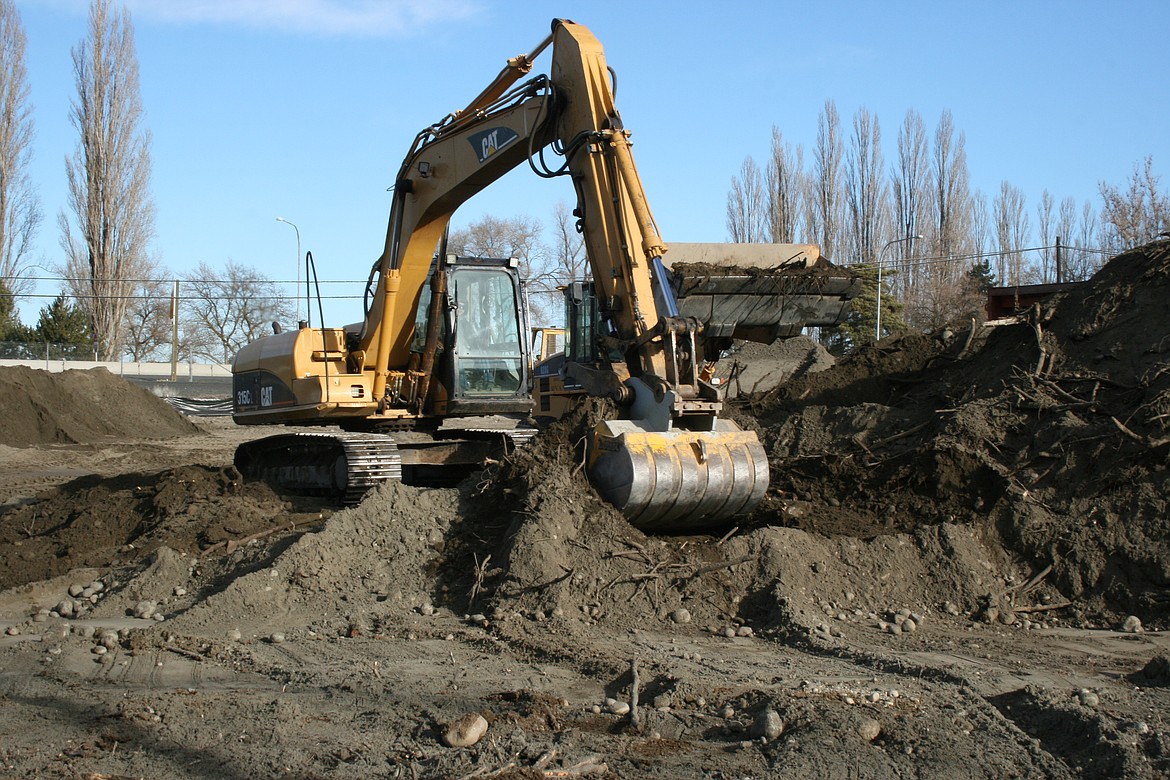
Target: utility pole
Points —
{"points": [[1059, 269], [175, 332]]}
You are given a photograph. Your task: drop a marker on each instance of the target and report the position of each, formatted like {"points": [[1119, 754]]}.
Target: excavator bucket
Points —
{"points": [[758, 292], [678, 480]]}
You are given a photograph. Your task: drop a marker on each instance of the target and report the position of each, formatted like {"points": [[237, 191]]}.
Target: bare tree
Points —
{"points": [[1011, 228], [866, 193], [980, 224], [148, 315], [825, 201], [568, 251], [1137, 214], [952, 193], [785, 180], [1088, 236], [1066, 228], [517, 237], [910, 192], [1047, 270], [224, 310], [108, 175], [747, 205], [20, 209]]}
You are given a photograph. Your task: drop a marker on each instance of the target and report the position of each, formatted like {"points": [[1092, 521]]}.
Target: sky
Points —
{"points": [[304, 109]]}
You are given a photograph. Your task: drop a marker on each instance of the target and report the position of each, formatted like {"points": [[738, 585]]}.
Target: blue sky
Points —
{"points": [[305, 108]]}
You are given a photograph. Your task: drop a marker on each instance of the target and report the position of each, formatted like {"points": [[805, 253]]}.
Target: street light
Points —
{"points": [[878, 330], [298, 288]]}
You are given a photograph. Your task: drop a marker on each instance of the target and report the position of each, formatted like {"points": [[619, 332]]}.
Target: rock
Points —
{"points": [[767, 725], [76, 590], [234, 635], [681, 615], [1156, 671], [617, 707], [1132, 625], [869, 729], [1088, 698], [744, 631], [729, 632], [145, 609], [466, 731], [909, 626], [276, 638]]}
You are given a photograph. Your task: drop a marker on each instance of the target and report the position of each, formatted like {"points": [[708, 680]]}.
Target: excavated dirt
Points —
{"points": [[961, 570]]}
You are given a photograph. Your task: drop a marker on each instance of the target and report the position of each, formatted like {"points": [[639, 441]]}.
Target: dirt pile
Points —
{"points": [[120, 522], [1049, 436], [75, 407]]}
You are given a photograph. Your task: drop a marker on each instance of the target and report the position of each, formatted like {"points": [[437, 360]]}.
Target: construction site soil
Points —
{"points": [[962, 569]]}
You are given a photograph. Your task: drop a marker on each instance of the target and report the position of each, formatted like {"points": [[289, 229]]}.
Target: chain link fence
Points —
{"points": [[43, 350]]}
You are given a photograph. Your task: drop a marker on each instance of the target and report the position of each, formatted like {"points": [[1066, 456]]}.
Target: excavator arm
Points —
{"points": [[670, 461]]}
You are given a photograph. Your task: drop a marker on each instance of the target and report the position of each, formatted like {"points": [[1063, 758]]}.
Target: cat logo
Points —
{"points": [[487, 142]]}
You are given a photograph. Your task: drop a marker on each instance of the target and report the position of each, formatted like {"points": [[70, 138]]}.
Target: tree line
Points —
{"points": [[115, 301], [940, 243], [914, 221]]}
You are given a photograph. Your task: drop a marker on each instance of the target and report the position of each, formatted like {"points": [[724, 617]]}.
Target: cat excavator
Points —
{"points": [[436, 373]]}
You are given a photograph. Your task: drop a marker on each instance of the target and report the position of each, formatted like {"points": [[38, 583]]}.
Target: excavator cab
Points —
{"points": [[488, 356]]}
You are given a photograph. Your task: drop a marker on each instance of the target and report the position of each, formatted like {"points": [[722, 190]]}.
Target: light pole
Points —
{"points": [[878, 329], [298, 288]]}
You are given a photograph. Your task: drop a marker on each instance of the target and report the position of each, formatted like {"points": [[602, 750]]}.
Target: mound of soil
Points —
{"points": [[1049, 436], [95, 522], [76, 407]]}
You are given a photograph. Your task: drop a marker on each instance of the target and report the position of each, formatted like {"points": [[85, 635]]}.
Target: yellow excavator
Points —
{"points": [[436, 374]]}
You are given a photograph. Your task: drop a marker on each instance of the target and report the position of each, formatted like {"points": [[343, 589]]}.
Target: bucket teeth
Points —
{"points": [[678, 480]]}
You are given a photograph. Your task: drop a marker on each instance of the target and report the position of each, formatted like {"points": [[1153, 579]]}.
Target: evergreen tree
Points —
{"points": [[860, 324], [66, 326], [980, 277], [14, 335]]}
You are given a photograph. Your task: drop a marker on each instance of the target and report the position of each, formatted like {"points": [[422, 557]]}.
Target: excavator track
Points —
{"points": [[346, 465]]}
